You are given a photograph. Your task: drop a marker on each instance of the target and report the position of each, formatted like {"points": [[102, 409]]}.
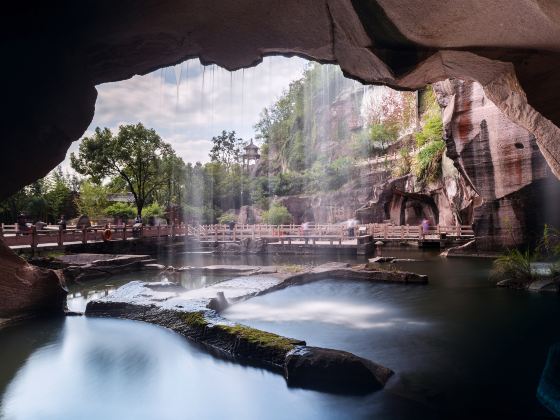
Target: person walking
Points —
{"points": [[62, 222], [425, 227]]}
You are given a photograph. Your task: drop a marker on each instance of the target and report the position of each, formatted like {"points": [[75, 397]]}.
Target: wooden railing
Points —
{"points": [[52, 234], [378, 231]]}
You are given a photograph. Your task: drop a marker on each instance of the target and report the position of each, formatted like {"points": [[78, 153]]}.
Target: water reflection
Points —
{"points": [[458, 347], [117, 369]]}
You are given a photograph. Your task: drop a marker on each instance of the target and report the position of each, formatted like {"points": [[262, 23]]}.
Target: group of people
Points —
{"points": [[23, 226], [351, 225]]}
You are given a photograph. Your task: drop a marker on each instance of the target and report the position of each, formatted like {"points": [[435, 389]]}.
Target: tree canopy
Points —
{"points": [[136, 154], [226, 148]]}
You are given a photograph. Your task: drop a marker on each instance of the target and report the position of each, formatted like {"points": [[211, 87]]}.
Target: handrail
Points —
{"points": [[52, 233]]}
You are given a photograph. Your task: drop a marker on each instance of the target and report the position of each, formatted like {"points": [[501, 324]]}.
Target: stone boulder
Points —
{"points": [[28, 290], [333, 371]]}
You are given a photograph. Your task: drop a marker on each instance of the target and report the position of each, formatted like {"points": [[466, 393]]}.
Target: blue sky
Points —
{"points": [[207, 100]]}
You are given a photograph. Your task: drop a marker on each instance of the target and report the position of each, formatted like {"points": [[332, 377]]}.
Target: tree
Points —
{"points": [[92, 200], [136, 154], [226, 148], [383, 134], [277, 215], [124, 210], [154, 210]]}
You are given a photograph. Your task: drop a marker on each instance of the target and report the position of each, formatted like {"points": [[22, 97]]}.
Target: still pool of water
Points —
{"points": [[459, 347]]}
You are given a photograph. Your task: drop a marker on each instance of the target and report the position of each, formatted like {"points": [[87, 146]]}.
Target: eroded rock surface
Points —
{"points": [[510, 47], [27, 290], [501, 162], [82, 267], [313, 367]]}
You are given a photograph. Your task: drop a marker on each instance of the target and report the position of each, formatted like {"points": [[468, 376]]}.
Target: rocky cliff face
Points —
{"points": [[25, 289], [501, 162], [403, 201], [493, 177]]}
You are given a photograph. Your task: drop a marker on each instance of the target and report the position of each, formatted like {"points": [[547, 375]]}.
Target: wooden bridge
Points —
{"points": [[319, 235]]}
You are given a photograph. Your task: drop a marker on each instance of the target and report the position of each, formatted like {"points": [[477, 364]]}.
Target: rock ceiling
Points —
{"points": [[55, 55]]}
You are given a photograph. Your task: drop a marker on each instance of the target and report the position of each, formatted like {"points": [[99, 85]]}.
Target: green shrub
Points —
{"points": [[227, 218], [426, 164], [277, 215], [431, 132], [121, 210], [549, 244], [514, 266], [153, 209]]}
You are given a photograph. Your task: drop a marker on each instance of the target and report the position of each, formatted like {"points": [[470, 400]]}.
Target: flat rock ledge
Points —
{"points": [[195, 314], [83, 267]]}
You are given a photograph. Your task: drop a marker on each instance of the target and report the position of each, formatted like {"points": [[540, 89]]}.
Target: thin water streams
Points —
{"points": [[459, 347]]}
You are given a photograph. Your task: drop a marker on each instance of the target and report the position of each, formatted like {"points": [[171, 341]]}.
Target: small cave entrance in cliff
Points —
{"points": [[412, 208]]}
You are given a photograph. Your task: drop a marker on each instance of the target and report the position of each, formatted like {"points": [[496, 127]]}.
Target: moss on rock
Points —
{"points": [[195, 319], [261, 338]]}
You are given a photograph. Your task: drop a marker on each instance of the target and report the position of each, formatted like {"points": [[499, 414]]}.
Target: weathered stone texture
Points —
{"points": [[511, 47], [501, 162], [26, 290]]}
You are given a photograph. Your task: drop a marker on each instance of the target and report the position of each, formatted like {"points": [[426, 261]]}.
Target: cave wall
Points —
{"points": [[502, 163], [56, 53]]}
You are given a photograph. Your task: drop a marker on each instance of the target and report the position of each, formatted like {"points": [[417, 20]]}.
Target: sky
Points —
{"points": [[206, 101]]}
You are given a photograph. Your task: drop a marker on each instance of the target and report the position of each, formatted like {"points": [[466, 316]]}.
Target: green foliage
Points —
{"points": [[154, 210], [92, 200], [426, 165], [136, 154], [383, 134], [277, 215], [431, 131], [260, 338], [549, 244], [123, 210], [514, 266], [227, 218], [428, 105], [292, 130], [45, 199], [404, 165], [226, 148], [195, 319]]}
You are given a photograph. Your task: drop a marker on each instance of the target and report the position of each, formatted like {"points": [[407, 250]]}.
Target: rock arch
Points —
{"points": [[55, 54]]}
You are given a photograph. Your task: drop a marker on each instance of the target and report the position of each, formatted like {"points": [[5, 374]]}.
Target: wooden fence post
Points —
{"points": [[124, 233], [33, 239], [84, 235]]}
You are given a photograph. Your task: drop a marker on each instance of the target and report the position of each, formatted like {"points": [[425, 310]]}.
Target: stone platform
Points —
{"points": [[195, 314]]}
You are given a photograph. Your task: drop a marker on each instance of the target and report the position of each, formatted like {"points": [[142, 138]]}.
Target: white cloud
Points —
{"points": [[206, 101]]}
